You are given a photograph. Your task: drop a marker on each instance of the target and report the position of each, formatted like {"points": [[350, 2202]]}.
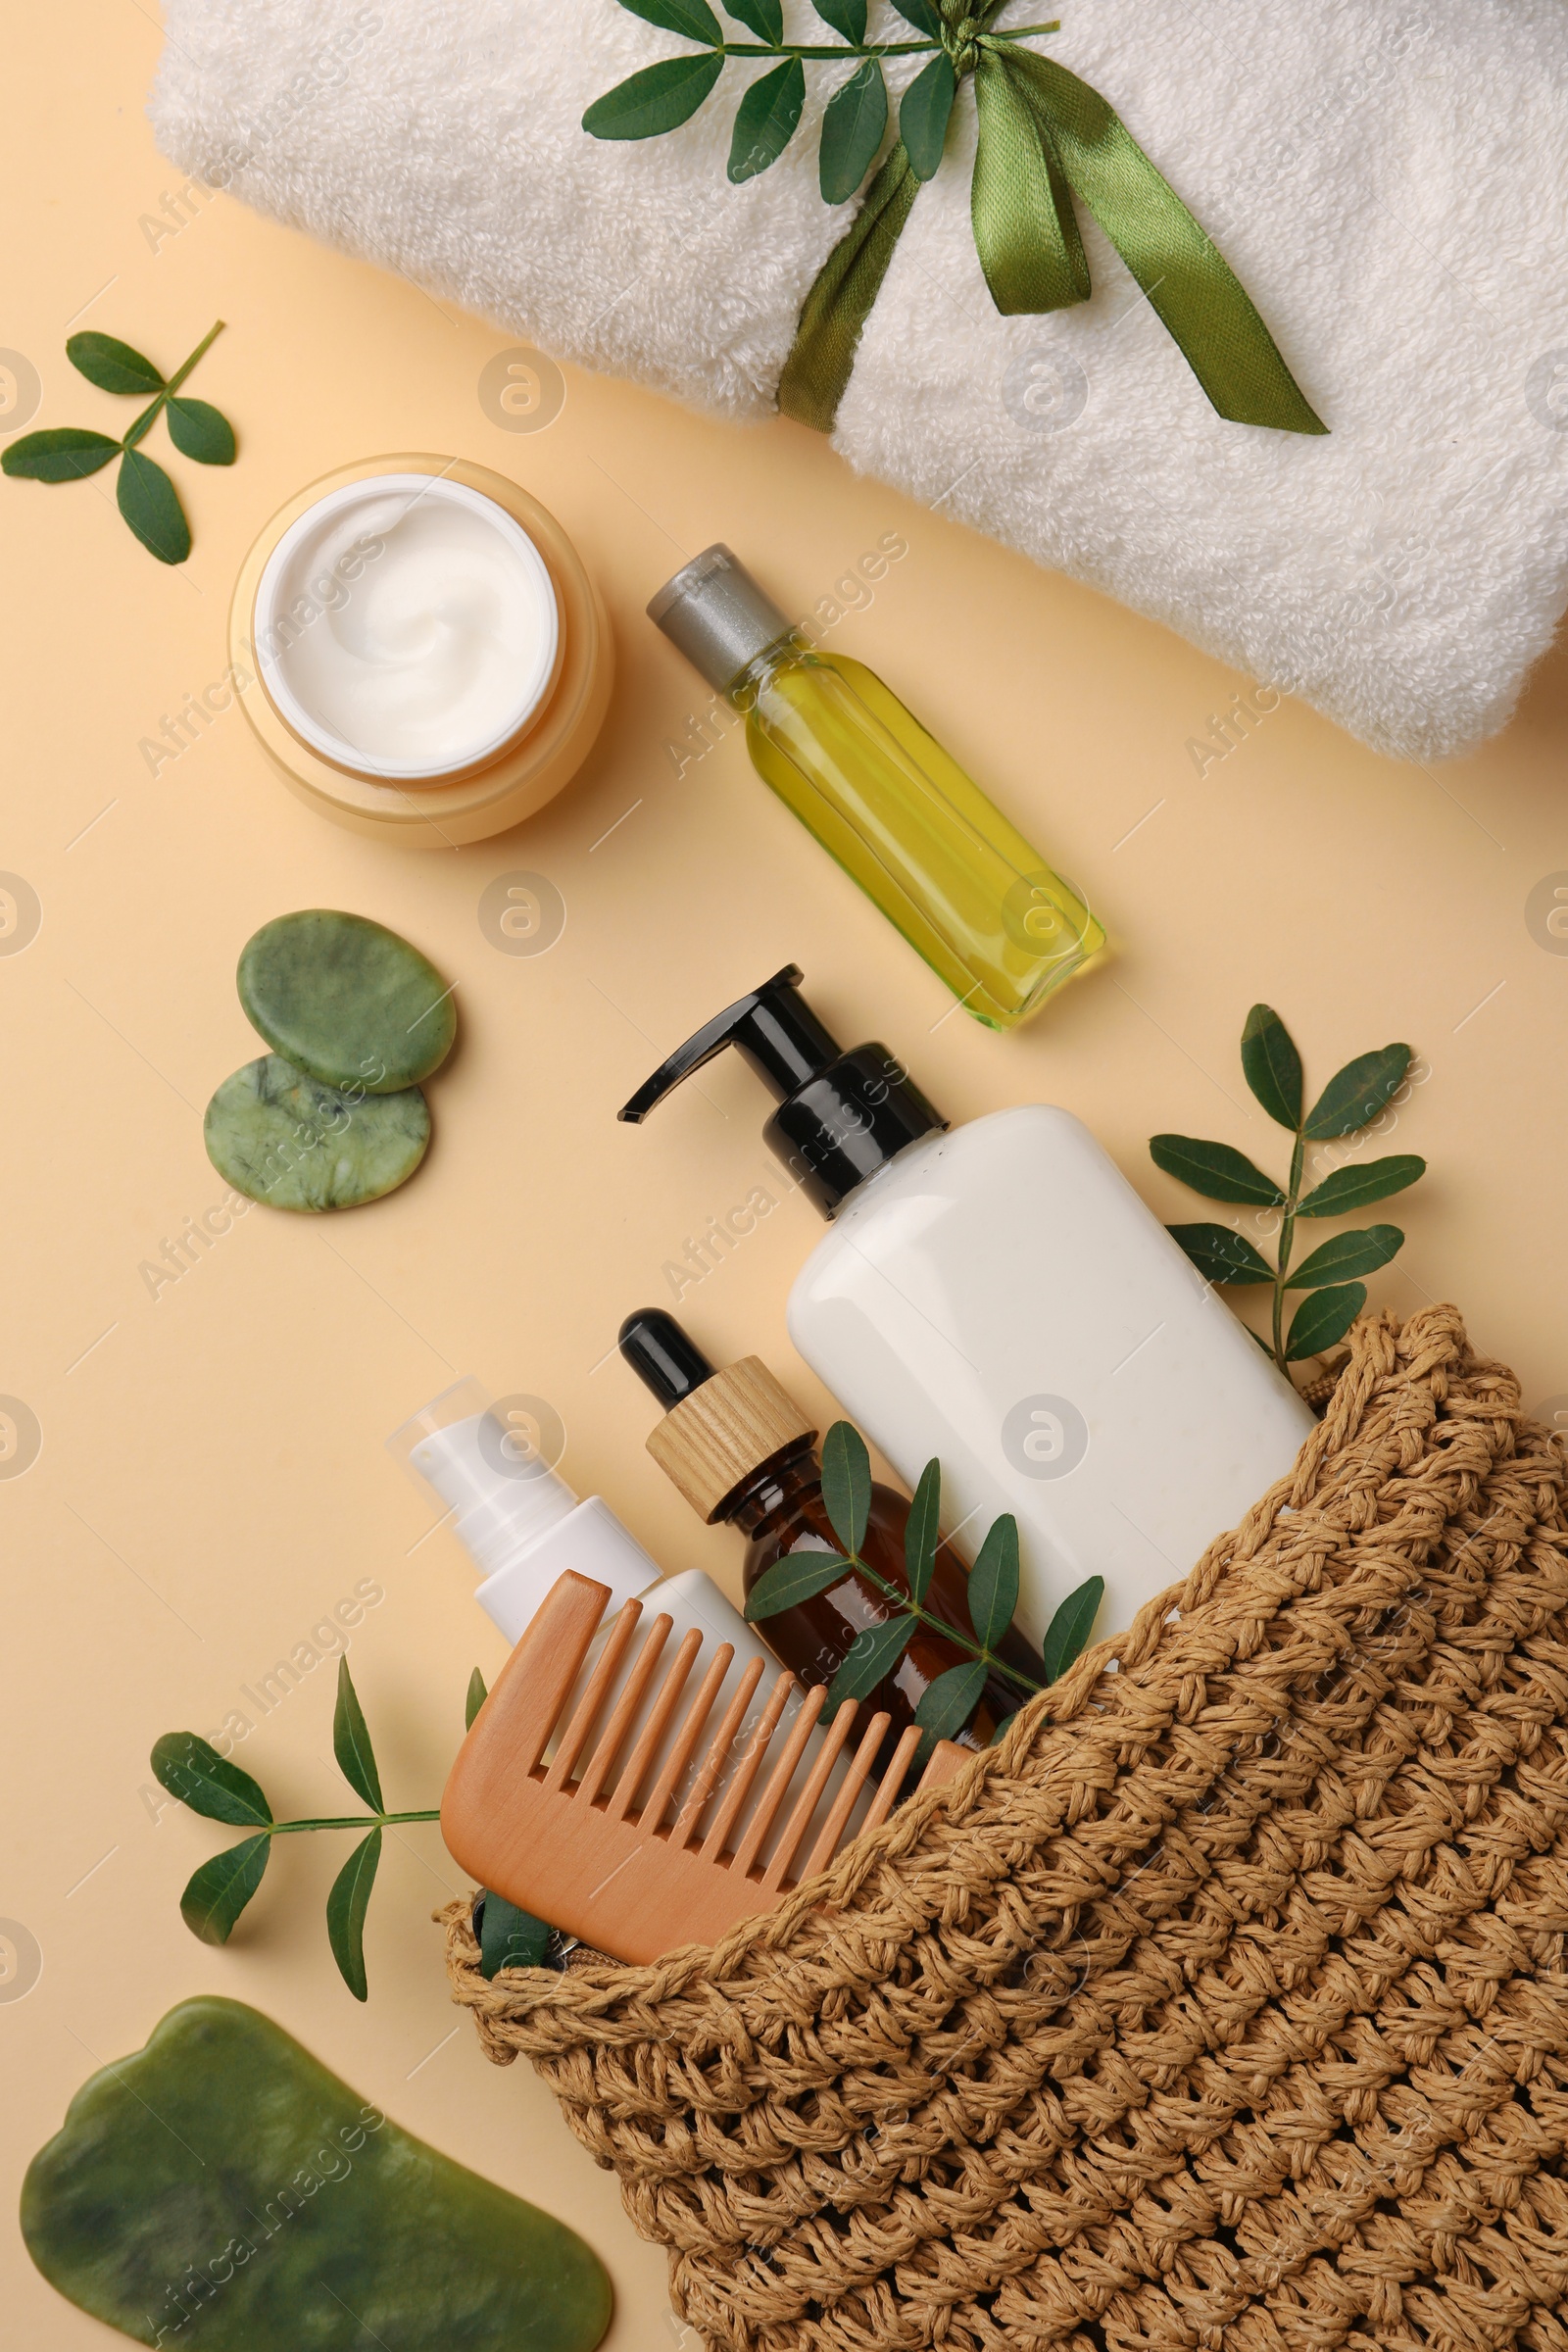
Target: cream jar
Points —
{"points": [[419, 650]]}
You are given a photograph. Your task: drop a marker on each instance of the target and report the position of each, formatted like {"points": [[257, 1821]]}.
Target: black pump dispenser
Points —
{"points": [[665, 1359], [840, 1117]]}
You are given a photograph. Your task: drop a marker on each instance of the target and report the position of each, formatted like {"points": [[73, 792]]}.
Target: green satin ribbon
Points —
{"points": [[1044, 138]]}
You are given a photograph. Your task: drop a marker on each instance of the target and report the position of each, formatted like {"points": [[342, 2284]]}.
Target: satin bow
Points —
{"points": [[1044, 138]]}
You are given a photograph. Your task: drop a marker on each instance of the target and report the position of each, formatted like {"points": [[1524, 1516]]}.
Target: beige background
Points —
{"points": [[211, 1479]]}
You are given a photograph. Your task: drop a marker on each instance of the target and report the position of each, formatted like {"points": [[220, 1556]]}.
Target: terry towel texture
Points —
{"points": [[1390, 184]]}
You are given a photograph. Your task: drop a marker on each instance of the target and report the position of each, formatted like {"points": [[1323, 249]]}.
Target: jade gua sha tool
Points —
{"points": [[222, 2180], [562, 1835], [335, 1114]]}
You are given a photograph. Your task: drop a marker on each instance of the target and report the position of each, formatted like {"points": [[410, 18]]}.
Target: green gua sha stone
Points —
{"points": [[221, 2183], [347, 1000], [283, 1138]]}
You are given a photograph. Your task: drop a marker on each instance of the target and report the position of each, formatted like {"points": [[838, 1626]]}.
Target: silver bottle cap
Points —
{"points": [[718, 616]]}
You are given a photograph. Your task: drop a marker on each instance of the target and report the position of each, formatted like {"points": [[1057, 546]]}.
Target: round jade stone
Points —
{"points": [[347, 1000], [280, 1137]]}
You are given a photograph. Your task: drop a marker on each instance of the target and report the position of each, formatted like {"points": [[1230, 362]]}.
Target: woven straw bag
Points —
{"points": [[1223, 2005]]}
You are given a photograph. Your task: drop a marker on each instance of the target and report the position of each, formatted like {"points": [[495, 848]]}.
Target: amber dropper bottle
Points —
{"points": [[741, 1450]]}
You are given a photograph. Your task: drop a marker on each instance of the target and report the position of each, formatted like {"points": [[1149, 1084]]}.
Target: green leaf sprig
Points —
{"points": [[191, 1769], [993, 1595], [855, 121], [143, 491], [1045, 143], [1351, 1099]]}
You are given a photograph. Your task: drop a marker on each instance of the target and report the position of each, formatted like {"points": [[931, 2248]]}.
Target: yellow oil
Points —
{"points": [[921, 839]]}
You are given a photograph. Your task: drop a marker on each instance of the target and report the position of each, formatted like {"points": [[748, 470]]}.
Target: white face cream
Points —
{"points": [[407, 627]]}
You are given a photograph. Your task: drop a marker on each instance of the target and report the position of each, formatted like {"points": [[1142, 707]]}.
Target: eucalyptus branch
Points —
{"points": [[838, 51], [350, 1821], [1362, 1091], [191, 1769], [149, 415], [950, 1702], [855, 122], [903, 1602], [1287, 1244], [828, 50], [143, 491]]}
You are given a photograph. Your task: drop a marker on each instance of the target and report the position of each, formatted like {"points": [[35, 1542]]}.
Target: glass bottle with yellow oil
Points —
{"points": [[899, 814]]}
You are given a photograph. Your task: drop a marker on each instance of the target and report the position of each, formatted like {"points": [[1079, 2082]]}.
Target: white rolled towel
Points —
{"points": [[1389, 182]]}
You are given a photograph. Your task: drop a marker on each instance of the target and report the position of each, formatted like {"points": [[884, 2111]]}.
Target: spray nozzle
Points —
{"points": [[841, 1115]]}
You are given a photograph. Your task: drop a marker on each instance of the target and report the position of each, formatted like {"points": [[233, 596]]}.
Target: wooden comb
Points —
{"points": [[567, 1840]]}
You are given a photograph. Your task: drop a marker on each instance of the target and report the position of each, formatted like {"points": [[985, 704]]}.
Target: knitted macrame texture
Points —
{"points": [[1224, 2004]]}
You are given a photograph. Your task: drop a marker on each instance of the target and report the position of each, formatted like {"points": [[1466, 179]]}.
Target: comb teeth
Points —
{"points": [[635, 1834]]}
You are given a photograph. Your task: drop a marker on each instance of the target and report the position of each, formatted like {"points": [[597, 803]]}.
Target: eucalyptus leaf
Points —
{"points": [[1221, 1256], [190, 1768], [921, 1532], [110, 364], [994, 1582], [764, 18], [346, 1906], [1329, 1275], [218, 1892], [923, 15], [855, 118], [147, 500], [947, 1703], [873, 1656], [60, 453], [846, 1484], [923, 112], [767, 120], [660, 98], [1348, 1254], [799, 1576], [1214, 1170], [1271, 1066], [351, 1741], [1067, 1635], [1358, 1093], [847, 17], [1323, 1319], [478, 1694], [1349, 1189], [199, 430], [510, 1938], [995, 1740], [693, 19]]}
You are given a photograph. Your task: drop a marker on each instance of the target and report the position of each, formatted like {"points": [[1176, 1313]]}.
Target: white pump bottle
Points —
{"points": [[998, 1298]]}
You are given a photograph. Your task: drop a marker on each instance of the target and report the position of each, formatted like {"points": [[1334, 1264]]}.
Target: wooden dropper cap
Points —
{"points": [[719, 1428]]}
